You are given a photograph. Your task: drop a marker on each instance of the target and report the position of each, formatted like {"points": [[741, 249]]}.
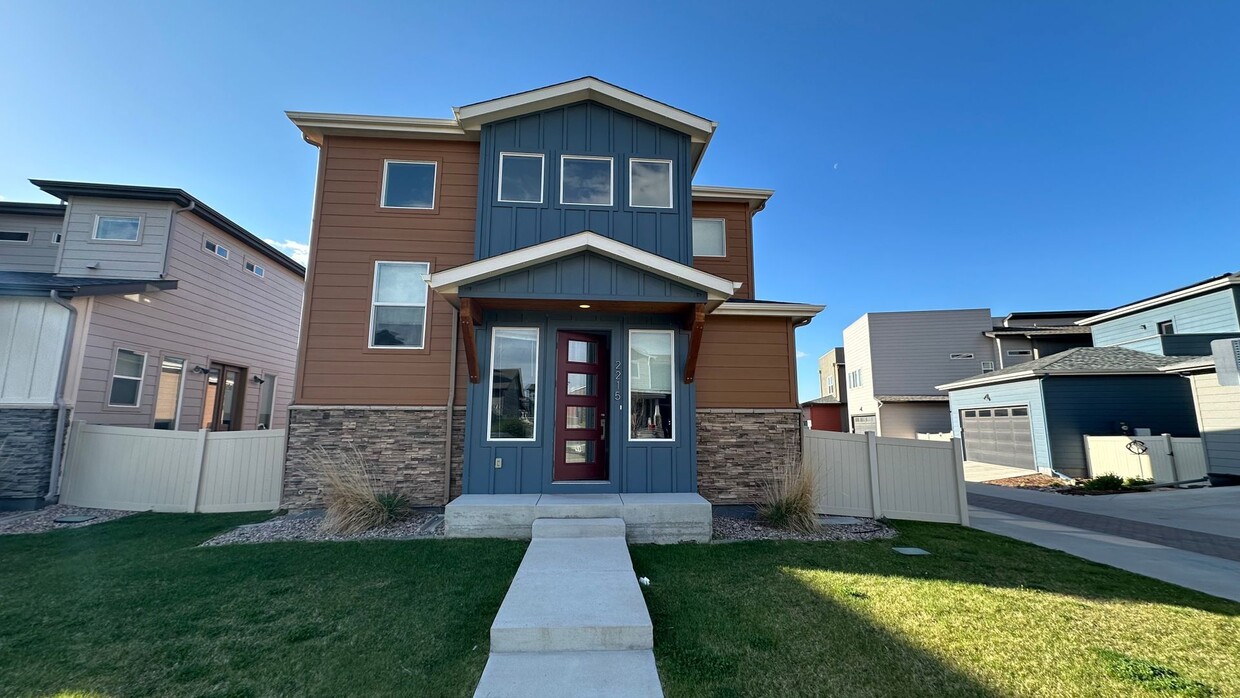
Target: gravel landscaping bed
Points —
{"points": [[305, 527], [1042, 483], [734, 529], [43, 520]]}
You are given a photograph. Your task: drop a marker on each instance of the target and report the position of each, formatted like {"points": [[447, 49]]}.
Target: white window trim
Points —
{"points": [[671, 184], [426, 315], [723, 225], [988, 366], [256, 269], [434, 184], [94, 233], [57, 236], [215, 252], [611, 178], [542, 177], [491, 381], [1020, 352], [259, 412], [1159, 325], [628, 430], [116, 354], [960, 356], [28, 233], [176, 417]]}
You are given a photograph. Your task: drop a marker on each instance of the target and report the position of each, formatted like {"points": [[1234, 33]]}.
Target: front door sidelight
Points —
{"points": [[582, 399]]}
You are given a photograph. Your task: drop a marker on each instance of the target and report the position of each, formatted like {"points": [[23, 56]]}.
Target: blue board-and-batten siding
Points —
{"points": [[526, 466], [584, 276], [1026, 393], [1210, 313], [585, 128]]}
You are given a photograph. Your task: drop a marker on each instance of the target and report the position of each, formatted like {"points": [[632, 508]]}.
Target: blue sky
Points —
{"points": [[1016, 155]]}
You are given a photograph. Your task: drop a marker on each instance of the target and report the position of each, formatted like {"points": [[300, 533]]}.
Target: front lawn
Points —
{"points": [[132, 607], [982, 616]]}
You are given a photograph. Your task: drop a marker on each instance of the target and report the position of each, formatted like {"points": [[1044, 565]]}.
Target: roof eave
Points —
{"points": [[315, 125], [1149, 303]]}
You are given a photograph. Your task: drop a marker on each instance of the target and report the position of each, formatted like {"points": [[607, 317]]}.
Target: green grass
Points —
{"points": [[982, 616], [132, 607]]}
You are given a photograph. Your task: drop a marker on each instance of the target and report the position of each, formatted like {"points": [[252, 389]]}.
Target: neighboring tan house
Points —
{"points": [[896, 360], [830, 411], [532, 297], [134, 306]]}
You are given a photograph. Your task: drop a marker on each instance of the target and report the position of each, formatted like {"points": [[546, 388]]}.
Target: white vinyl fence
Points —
{"points": [[172, 471], [937, 436], [875, 476], [1161, 458]]}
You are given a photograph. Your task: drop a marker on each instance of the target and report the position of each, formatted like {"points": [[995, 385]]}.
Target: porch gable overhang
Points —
{"points": [[449, 283]]}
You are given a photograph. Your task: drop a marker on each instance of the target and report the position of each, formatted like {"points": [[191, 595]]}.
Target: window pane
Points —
{"points": [[129, 363], [400, 283], [580, 418], [582, 385], [650, 393], [582, 352], [266, 402], [228, 402], [398, 326], [708, 238], [651, 183], [514, 379], [113, 228], [168, 395], [578, 451], [124, 392], [521, 178], [586, 181], [409, 185], [6, 236], [1020, 412]]}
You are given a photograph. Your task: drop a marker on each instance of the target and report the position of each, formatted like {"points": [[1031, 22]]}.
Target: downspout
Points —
{"points": [[999, 351], [447, 446], [58, 442]]}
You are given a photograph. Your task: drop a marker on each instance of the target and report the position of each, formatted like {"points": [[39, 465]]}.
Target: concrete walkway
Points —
{"points": [[984, 472], [1186, 537], [574, 621]]}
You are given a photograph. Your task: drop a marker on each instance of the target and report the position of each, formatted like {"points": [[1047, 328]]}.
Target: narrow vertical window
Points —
{"points": [[650, 183], [128, 369], [520, 178], [266, 401], [709, 238], [398, 306], [514, 383], [652, 397], [408, 184], [168, 394]]}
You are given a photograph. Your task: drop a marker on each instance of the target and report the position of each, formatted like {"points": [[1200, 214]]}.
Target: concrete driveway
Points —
{"points": [[985, 472]]}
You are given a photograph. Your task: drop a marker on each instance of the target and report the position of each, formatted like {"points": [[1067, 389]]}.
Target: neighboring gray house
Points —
{"points": [[1186, 321], [896, 360], [140, 307]]}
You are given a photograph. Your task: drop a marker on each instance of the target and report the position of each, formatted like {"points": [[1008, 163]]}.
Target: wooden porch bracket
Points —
{"points": [[471, 315], [697, 322]]}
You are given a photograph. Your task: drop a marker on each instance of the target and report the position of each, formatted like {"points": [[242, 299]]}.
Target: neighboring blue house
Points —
{"points": [[1034, 415]]}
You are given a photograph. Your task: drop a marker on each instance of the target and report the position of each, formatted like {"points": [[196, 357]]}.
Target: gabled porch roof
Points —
{"points": [[448, 283]]}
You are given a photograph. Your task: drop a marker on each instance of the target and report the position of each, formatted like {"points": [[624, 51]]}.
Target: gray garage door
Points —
{"points": [[865, 422], [998, 435]]}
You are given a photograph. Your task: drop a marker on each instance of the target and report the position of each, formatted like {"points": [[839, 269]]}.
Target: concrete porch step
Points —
{"points": [[578, 528], [648, 518], [626, 674]]}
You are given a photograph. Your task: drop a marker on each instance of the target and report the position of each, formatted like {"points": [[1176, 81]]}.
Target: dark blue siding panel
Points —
{"points": [[1096, 405], [584, 129], [583, 276]]}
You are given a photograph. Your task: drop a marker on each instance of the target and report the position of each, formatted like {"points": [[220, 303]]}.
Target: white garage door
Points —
{"points": [[998, 435]]}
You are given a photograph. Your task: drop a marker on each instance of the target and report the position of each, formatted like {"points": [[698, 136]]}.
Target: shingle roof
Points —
{"points": [[825, 400], [1084, 360], [911, 398], [34, 283]]}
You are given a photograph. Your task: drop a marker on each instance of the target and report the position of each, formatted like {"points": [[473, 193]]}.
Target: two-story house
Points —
{"points": [[829, 411], [533, 297], [896, 360], [134, 306]]}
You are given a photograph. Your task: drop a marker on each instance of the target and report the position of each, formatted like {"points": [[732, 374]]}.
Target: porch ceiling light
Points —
{"points": [[584, 306]]}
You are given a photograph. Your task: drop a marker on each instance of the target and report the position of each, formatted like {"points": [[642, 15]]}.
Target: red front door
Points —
{"points": [[581, 407]]}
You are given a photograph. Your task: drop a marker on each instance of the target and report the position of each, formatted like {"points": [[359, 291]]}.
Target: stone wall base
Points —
{"points": [[402, 447], [740, 450], [27, 437]]}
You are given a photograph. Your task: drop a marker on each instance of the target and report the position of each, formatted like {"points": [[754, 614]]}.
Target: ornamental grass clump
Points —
{"points": [[788, 501], [353, 503]]}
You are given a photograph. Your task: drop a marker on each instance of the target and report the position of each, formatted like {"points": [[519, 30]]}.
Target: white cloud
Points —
{"points": [[801, 355], [299, 251]]}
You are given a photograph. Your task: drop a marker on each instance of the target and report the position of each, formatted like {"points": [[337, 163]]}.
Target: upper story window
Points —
{"points": [[117, 228], [255, 269], [408, 184], [586, 180], [13, 236], [521, 178], [398, 305], [1166, 327], [57, 237], [215, 248], [988, 366], [961, 355], [650, 183], [709, 237], [1020, 352]]}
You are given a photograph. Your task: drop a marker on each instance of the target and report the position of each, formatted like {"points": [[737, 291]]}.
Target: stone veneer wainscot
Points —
{"points": [[27, 437], [740, 450]]}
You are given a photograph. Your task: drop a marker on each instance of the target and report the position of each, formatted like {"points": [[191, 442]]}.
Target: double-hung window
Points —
{"points": [[650, 183], [117, 228], [652, 394], [398, 305], [586, 180], [408, 184], [709, 237], [128, 368], [521, 178]]}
